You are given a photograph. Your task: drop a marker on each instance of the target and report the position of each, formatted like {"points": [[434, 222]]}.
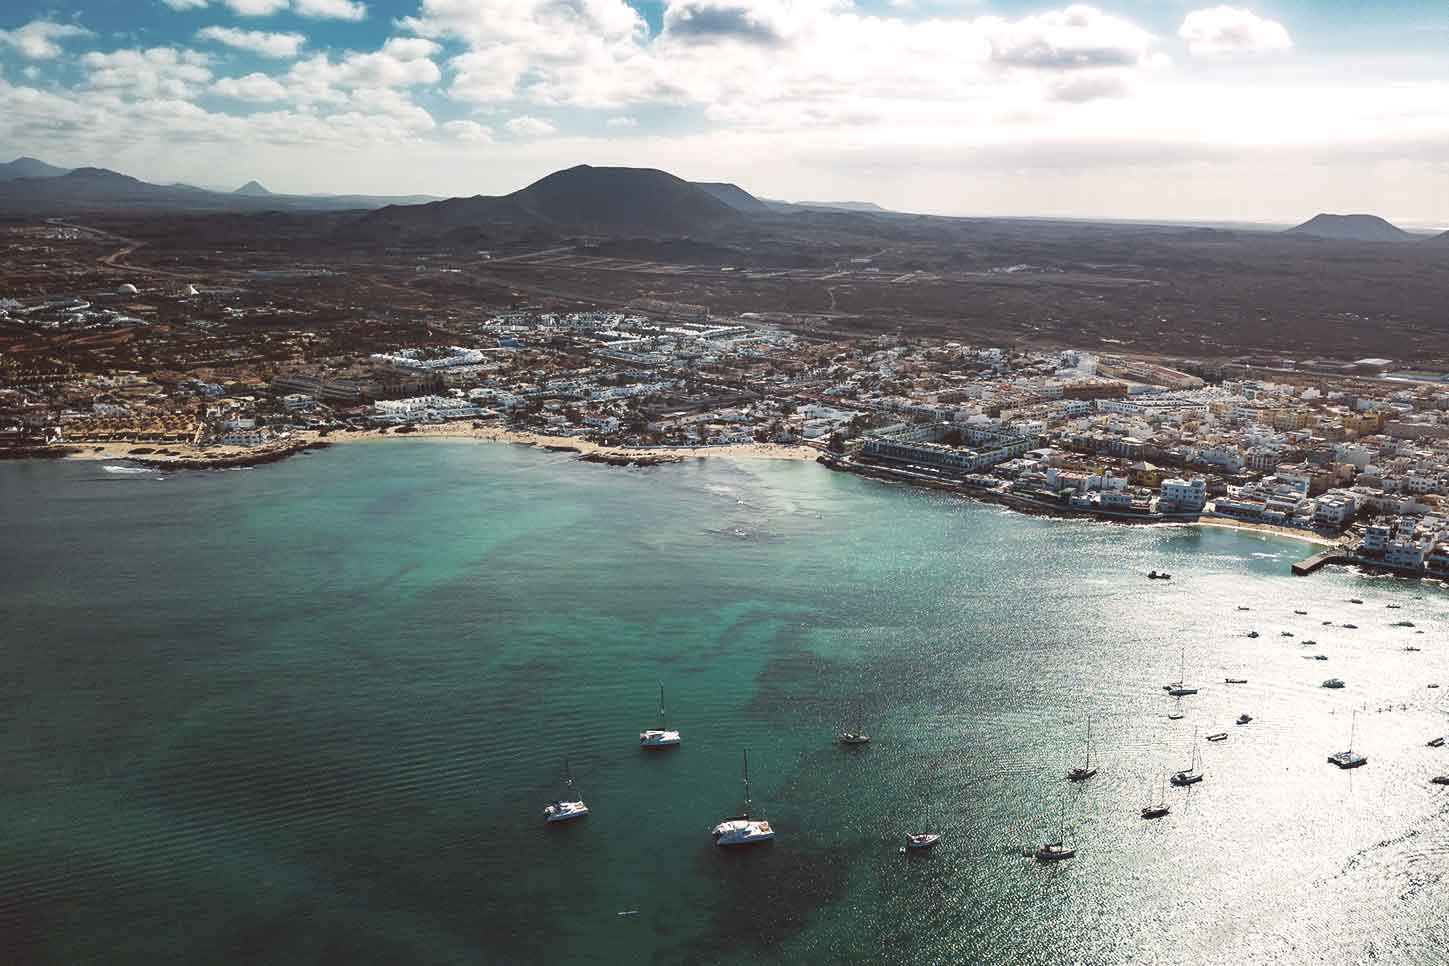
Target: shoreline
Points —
{"points": [[178, 456], [160, 456]]}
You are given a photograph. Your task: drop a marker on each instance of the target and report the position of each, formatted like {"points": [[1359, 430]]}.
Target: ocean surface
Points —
{"points": [[311, 713]]}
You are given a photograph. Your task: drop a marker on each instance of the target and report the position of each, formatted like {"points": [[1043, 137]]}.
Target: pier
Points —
{"points": [[1319, 560]]}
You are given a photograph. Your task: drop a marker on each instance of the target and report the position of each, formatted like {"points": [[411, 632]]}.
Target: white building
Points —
{"points": [[1183, 496]]}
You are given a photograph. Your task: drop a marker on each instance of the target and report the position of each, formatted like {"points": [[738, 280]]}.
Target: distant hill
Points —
{"points": [[865, 206], [99, 189], [582, 199], [733, 195], [29, 168], [1351, 228]]}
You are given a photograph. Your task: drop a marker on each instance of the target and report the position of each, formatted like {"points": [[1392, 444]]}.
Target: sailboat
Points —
{"points": [[1179, 687], [567, 808], [659, 737], [1190, 775], [742, 830], [926, 839], [1087, 770], [1057, 851], [856, 736], [1160, 807], [1349, 758]]}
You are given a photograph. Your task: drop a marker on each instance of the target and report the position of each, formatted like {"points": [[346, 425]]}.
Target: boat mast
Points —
{"points": [[1089, 744], [1352, 729], [661, 706], [746, 754]]}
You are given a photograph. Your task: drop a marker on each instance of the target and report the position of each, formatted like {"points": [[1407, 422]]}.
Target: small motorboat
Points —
{"points": [[921, 840], [1309, 642], [1252, 633], [1403, 623], [1244, 718], [1328, 623], [1320, 657], [853, 738], [1235, 680], [1219, 736], [1433, 686], [1332, 683], [1350, 627], [1354, 600], [1155, 811], [1285, 633], [1241, 607], [1435, 742], [1412, 649], [1440, 779], [1154, 575], [1392, 606], [1301, 613]]}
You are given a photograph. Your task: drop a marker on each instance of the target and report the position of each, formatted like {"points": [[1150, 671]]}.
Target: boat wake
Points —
{"points": [[128, 470]]}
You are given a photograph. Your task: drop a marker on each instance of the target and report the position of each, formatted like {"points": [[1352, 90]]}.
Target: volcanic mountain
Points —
{"points": [[582, 199], [253, 189], [1351, 228], [29, 168]]}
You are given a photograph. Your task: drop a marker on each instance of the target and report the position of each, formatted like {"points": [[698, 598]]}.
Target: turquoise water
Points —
{"points": [[311, 713]]}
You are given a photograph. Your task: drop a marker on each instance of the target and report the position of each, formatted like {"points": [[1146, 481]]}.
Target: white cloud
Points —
{"points": [[158, 72], [256, 8], [1219, 30], [526, 126], [257, 88], [37, 39], [402, 62], [256, 41], [1076, 38], [468, 132], [330, 9], [621, 122], [185, 4]]}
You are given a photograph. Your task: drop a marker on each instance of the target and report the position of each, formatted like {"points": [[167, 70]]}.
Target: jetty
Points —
{"points": [[1318, 561]]}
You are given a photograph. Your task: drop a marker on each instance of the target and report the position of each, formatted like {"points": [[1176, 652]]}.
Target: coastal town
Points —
{"points": [[1352, 453]]}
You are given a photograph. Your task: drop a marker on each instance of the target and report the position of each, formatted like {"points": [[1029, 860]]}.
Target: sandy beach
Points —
{"points": [[153, 452], [1268, 530]]}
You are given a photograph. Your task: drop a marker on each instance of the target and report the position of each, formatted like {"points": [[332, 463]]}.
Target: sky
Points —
{"points": [[1153, 109]]}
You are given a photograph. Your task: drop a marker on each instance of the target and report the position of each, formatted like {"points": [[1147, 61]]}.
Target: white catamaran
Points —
{"points": [[743, 830], [1349, 758], [659, 737], [569, 807]]}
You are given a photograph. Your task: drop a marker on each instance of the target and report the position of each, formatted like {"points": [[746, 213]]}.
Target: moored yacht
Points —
{"points": [[1332, 684], [1349, 758], [1160, 807], [1058, 850], [743, 830], [1190, 775], [1086, 770], [1435, 742], [659, 737], [1244, 718], [569, 806]]}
